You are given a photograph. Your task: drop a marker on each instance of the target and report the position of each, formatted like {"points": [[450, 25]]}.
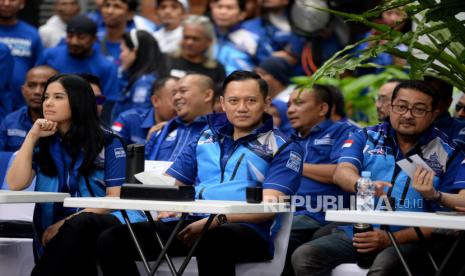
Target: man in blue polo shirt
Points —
{"points": [[16, 125], [309, 111], [192, 100], [237, 146], [378, 149], [79, 56], [24, 43], [133, 125]]}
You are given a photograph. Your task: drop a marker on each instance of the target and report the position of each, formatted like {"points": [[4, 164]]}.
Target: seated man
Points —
{"points": [[309, 112], [133, 125], [17, 124], [409, 131], [220, 164], [460, 108], [192, 99], [170, 13]]}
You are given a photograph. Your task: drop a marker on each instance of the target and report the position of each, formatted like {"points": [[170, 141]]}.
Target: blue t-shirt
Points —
{"points": [[110, 50], [14, 128], [26, 47], [96, 64], [137, 95], [221, 168], [169, 142], [321, 146], [134, 124], [6, 67]]}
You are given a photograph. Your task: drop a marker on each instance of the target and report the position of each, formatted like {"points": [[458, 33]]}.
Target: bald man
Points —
{"points": [[192, 100], [16, 125]]}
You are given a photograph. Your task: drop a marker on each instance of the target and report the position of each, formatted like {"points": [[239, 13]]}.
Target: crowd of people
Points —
{"points": [[212, 94]]}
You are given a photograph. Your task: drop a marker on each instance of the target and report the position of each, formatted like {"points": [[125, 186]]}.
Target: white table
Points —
{"points": [[411, 219], [401, 218], [30, 197], [198, 206], [211, 207]]}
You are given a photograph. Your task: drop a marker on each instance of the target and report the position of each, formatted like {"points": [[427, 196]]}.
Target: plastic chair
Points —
{"points": [[268, 268], [16, 254]]}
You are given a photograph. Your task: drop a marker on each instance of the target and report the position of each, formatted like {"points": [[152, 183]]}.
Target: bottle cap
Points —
{"points": [[366, 174]]}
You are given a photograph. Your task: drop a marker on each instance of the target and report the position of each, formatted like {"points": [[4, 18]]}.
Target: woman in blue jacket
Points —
{"points": [[142, 63], [67, 150]]}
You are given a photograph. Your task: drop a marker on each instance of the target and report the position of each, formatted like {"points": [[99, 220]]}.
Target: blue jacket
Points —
{"points": [[110, 172], [169, 142], [96, 64], [25, 46], [270, 38], [375, 149], [454, 128], [14, 128], [222, 168], [134, 124], [7, 64], [234, 49], [321, 146], [137, 95]]}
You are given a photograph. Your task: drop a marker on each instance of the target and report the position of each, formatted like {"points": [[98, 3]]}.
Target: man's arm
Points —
{"points": [[319, 172], [346, 176]]}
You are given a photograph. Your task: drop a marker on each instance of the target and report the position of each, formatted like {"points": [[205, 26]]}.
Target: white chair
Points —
{"points": [[16, 254], [349, 269], [267, 268]]}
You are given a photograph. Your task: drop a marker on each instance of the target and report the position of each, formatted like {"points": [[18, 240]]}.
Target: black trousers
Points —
{"points": [[217, 253], [73, 250]]}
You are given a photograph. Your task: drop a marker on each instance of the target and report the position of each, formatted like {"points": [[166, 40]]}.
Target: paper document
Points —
{"points": [[409, 167], [155, 179], [159, 167]]}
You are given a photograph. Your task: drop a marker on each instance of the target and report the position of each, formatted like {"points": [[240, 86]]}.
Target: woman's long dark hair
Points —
{"points": [[149, 58], [85, 133]]}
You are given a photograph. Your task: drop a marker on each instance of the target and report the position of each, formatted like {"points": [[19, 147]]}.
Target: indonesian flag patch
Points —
{"points": [[117, 126], [347, 143]]}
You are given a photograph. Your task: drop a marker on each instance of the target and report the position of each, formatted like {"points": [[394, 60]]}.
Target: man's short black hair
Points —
{"points": [[444, 89], [420, 86], [338, 100], [241, 3], [324, 95], [92, 79], [132, 4], [246, 75], [160, 83]]}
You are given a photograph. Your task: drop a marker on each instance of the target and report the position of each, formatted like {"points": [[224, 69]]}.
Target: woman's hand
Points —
{"points": [[423, 182], [43, 128], [51, 231]]}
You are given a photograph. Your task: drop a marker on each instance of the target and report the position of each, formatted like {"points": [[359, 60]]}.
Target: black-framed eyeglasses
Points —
{"points": [[459, 107], [100, 99], [417, 112]]}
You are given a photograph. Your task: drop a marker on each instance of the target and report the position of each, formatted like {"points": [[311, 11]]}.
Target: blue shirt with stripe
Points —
{"points": [[14, 128], [169, 142], [321, 146], [134, 124]]}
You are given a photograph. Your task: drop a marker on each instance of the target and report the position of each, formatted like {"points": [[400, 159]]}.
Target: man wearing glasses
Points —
{"points": [[383, 100], [408, 132]]}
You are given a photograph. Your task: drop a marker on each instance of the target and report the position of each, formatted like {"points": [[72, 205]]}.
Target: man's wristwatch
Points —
{"points": [[221, 219]]}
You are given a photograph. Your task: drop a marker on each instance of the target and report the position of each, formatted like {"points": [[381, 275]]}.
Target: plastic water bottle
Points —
{"points": [[365, 200]]}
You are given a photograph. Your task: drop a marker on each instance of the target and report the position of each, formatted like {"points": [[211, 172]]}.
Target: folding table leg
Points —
{"points": [[396, 247], [160, 242], [424, 242], [451, 251], [168, 244], [196, 243], [136, 241]]}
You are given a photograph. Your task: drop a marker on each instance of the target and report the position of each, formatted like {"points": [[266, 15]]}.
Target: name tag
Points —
{"points": [[324, 141], [16, 132]]}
